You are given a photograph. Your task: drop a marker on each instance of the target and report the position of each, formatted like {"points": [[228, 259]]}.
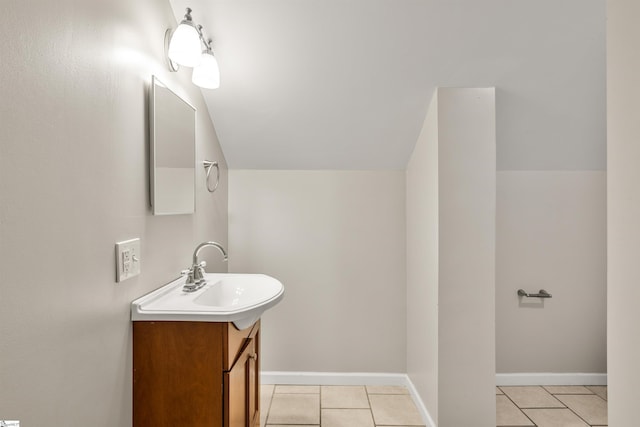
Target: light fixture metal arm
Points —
{"points": [[187, 16], [206, 42]]}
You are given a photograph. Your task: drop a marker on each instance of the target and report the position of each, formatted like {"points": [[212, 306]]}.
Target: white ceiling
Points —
{"points": [[344, 84]]}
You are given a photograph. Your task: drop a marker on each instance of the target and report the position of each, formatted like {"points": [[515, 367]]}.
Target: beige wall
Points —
{"points": [[336, 240], [551, 234], [73, 181], [623, 213], [458, 200]]}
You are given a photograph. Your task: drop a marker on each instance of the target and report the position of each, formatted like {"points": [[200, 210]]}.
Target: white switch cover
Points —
{"points": [[127, 259]]}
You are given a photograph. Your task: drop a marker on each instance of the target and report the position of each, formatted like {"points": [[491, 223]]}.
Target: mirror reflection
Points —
{"points": [[172, 122]]}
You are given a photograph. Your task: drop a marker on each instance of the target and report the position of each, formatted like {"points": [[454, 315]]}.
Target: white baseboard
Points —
{"points": [[348, 378], [550, 379], [426, 416]]}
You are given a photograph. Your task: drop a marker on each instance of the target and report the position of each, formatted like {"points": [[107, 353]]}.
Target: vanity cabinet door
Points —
{"points": [[242, 388], [236, 390], [177, 374]]}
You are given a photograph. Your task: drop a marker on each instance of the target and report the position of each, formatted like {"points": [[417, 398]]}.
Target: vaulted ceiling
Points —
{"points": [[345, 84]]}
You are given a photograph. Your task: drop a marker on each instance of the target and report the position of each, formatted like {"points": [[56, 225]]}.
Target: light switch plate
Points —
{"points": [[127, 259]]}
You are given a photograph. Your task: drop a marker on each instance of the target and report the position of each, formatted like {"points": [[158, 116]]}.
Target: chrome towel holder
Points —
{"points": [[208, 165], [541, 294]]}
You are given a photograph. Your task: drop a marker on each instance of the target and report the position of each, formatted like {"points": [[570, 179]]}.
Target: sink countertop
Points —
{"points": [[226, 297]]}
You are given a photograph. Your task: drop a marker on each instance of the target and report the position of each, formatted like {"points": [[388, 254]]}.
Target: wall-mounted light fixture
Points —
{"points": [[184, 46]]}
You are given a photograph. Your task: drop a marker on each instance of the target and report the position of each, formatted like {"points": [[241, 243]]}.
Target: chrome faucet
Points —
{"points": [[195, 279]]}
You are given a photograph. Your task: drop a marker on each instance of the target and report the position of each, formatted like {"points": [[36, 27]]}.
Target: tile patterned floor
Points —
{"points": [[551, 406], [337, 406], [377, 406]]}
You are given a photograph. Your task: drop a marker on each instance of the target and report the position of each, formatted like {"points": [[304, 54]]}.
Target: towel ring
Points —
{"points": [[208, 165]]}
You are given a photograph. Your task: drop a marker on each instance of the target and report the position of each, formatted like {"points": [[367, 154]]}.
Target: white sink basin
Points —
{"points": [[227, 297]]}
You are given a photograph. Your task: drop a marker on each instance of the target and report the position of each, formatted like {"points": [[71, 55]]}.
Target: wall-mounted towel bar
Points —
{"points": [[541, 294]]}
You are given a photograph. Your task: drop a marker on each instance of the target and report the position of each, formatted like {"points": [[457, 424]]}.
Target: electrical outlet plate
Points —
{"points": [[127, 259]]}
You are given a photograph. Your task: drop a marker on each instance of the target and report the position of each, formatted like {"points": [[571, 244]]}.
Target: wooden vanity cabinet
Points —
{"points": [[196, 374]]}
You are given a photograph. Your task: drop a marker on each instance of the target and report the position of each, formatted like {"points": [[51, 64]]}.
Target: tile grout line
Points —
{"points": [[575, 413], [266, 417], [519, 408], [565, 406], [320, 403], [366, 391], [368, 408]]}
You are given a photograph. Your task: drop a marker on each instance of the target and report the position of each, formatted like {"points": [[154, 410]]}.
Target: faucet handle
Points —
{"points": [[189, 273], [202, 264]]}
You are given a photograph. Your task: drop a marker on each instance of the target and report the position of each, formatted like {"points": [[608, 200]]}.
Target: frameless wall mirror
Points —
{"points": [[172, 153]]}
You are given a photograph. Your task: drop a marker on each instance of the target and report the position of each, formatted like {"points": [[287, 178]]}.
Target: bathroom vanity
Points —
{"points": [[196, 351], [196, 374]]}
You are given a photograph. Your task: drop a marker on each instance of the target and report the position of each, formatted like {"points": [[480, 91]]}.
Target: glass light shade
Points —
{"points": [[184, 47], [207, 74]]}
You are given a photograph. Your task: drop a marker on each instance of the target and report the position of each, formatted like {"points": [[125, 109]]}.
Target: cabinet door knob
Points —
{"points": [[253, 356]]}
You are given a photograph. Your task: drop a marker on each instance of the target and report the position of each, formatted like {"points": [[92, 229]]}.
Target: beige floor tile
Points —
{"points": [[394, 410], [294, 409], [508, 414], [267, 388], [293, 389], [387, 389], [347, 418], [498, 391], [531, 397], [591, 408], [567, 389], [600, 390], [293, 425], [266, 393], [554, 418], [340, 396]]}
